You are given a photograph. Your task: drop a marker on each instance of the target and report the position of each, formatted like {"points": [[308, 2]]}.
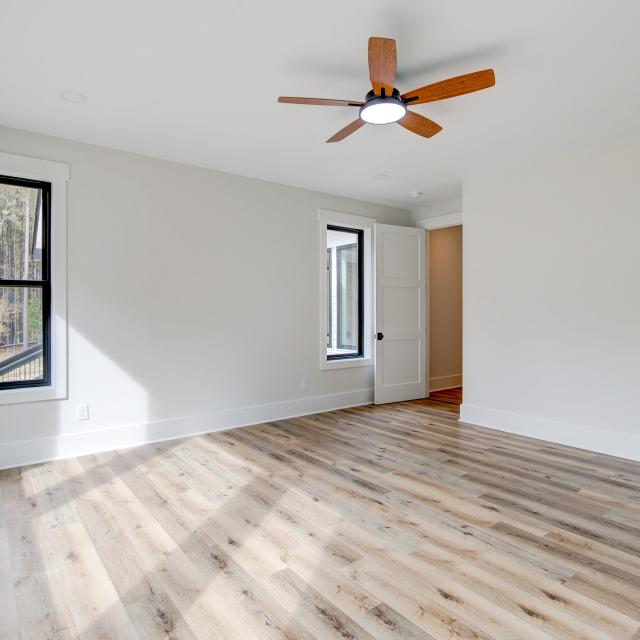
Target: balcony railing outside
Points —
{"points": [[18, 364]]}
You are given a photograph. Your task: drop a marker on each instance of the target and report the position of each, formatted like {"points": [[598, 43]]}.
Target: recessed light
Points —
{"points": [[73, 96], [381, 176], [415, 194]]}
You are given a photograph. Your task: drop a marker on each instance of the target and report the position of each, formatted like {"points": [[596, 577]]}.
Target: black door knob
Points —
{"points": [[379, 336]]}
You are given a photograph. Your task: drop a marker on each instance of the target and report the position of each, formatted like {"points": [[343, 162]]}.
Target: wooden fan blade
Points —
{"points": [[452, 87], [321, 101], [347, 131], [382, 65], [416, 123]]}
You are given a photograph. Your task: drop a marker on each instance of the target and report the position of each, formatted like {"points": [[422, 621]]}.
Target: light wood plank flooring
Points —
{"points": [[374, 522], [451, 396]]}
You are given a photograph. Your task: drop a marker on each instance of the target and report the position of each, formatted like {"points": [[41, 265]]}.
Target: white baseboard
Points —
{"points": [[445, 382], [70, 445], [614, 443]]}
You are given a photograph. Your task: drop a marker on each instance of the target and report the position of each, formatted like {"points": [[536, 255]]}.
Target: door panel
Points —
{"points": [[402, 309], [400, 314], [401, 363], [398, 253]]}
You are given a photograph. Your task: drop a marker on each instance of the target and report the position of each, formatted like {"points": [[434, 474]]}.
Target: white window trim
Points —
{"points": [[352, 221], [57, 173]]}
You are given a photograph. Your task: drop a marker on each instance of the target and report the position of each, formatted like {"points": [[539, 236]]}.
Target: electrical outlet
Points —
{"points": [[304, 384], [82, 412]]}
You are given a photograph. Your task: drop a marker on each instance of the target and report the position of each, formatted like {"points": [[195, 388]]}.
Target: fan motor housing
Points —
{"points": [[371, 96]]}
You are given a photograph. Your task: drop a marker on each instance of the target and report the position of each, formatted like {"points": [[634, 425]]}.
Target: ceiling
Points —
{"points": [[197, 81]]}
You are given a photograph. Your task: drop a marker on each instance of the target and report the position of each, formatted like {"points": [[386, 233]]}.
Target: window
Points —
{"points": [[346, 290], [345, 315], [25, 286], [329, 303], [33, 276]]}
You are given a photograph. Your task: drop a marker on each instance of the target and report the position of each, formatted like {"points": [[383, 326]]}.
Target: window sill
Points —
{"points": [[31, 394], [346, 363]]}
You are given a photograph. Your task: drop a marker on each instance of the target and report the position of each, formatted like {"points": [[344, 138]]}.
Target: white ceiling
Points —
{"points": [[196, 81]]}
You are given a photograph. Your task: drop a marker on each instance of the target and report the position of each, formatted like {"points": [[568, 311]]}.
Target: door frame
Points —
{"points": [[432, 223]]}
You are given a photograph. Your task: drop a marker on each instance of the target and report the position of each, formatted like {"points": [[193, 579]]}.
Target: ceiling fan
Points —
{"points": [[384, 104]]}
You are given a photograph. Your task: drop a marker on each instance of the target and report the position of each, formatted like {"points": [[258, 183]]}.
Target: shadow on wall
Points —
{"points": [[40, 431], [190, 293]]}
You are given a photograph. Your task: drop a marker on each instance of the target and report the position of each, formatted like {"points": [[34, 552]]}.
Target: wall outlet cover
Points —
{"points": [[82, 412]]}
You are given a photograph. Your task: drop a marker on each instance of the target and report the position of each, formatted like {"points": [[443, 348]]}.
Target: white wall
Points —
{"points": [[443, 202], [445, 307], [552, 298], [193, 303], [438, 210]]}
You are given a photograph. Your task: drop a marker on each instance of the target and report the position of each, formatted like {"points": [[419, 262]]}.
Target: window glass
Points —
{"points": [[21, 334], [20, 232], [25, 289], [347, 303], [344, 292], [329, 298]]}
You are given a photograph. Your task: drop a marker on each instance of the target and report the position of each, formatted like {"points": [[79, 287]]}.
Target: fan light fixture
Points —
{"points": [[384, 104], [383, 110]]}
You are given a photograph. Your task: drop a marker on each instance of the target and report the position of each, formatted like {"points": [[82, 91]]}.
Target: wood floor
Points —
{"points": [[375, 522], [451, 396]]}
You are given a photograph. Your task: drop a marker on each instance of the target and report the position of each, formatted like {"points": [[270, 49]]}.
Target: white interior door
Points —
{"points": [[401, 370]]}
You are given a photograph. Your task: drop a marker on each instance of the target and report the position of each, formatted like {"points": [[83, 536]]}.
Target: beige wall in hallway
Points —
{"points": [[445, 308]]}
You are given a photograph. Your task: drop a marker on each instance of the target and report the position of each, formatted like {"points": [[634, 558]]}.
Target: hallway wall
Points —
{"points": [[445, 308]]}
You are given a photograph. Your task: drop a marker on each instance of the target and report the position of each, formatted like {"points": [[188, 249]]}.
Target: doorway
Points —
{"points": [[444, 299]]}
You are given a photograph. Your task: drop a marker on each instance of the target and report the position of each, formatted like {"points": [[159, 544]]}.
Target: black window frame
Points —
{"points": [[360, 242], [44, 283]]}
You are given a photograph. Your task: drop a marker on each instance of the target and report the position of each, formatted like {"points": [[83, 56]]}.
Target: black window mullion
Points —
{"points": [[23, 283]]}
